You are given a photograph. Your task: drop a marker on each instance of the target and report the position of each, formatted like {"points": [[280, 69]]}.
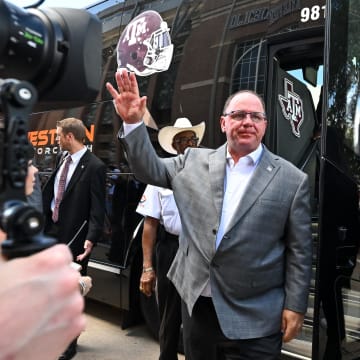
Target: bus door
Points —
{"points": [[293, 94], [332, 323]]}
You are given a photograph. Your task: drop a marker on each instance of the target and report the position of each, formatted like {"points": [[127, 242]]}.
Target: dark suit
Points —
{"points": [[83, 203], [263, 263]]}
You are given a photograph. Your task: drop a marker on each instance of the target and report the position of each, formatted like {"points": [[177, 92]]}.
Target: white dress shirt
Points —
{"points": [[237, 178]]}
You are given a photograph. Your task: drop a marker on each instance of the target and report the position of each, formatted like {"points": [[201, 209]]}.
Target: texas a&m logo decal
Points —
{"points": [[292, 107]]}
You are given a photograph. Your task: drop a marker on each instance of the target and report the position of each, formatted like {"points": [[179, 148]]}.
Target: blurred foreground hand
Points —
{"points": [[41, 308]]}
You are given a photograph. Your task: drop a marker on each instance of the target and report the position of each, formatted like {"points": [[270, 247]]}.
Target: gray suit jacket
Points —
{"points": [[263, 263]]}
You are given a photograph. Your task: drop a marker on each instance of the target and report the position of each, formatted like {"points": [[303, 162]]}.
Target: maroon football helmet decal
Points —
{"points": [[145, 45]]}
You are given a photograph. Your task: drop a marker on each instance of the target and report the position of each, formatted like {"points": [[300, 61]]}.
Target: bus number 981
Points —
{"points": [[313, 13]]}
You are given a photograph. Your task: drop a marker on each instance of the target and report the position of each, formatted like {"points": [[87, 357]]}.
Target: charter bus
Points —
{"points": [[303, 57]]}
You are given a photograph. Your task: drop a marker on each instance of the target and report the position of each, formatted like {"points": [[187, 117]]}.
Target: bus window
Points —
{"points": [[314, 87]]}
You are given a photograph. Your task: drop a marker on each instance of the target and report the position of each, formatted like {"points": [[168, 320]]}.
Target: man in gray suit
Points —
{"points": [[243, 266]]}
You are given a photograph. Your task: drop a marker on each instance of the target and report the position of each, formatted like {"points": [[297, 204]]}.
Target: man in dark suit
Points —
{"points": [[74, 197], [243, 267]]}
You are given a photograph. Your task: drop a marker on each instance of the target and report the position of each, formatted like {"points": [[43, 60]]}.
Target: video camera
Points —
{"points": [[49, 59], [58, 50]]}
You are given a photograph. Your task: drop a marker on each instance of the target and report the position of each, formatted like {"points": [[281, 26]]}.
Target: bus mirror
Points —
{"points": [[310, 74]]}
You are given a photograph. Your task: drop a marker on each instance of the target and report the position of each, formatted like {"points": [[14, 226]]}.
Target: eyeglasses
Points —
{"points": [[185, 140], [241, 115]]}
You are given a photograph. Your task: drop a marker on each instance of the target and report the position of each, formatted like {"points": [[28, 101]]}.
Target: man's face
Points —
{"points": [[183, 140], [244, 132], [30, 178], [62, 139]]}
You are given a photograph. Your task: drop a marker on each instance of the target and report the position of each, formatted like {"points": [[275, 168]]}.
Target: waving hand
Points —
{"points": [[127, 101]]}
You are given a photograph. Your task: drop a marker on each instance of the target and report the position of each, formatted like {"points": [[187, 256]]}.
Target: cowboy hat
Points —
{"points": [[167, 133]]}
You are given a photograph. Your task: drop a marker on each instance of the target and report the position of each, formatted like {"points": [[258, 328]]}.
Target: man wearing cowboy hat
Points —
{"points": [[162, 225]]}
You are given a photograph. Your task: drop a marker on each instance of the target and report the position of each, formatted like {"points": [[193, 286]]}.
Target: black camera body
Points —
{"points": [[58, 50]]}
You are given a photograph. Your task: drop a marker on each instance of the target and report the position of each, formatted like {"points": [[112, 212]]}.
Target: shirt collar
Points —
{"points": [[254, 156], [75, 157]]}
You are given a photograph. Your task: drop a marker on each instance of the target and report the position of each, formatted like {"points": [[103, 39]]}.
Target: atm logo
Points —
{"points": [[292, 107]]}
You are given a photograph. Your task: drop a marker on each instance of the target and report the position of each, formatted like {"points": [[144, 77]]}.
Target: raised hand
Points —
{"points": [[127, 101]]}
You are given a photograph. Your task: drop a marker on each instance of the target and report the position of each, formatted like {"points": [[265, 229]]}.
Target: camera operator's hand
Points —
{"points": [[127, 101], [41, 309]]}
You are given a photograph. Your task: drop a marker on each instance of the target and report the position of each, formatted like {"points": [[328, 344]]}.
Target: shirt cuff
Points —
{"points": [[128, 128]]}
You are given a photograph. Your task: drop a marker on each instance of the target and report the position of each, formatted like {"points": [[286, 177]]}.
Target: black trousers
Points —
{"points": [[204, 340], [53, 230], [168, 298]]}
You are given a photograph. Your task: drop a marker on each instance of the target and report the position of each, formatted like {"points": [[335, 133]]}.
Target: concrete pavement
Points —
{"points": [[104, 339]]}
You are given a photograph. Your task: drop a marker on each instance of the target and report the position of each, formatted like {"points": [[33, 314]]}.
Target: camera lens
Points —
{"points": [[50, 48]]}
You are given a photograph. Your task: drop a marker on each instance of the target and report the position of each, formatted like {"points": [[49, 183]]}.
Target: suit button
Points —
{"points": [[214, 231]]}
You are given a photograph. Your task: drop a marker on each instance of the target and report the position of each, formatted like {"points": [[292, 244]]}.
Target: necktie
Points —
{"points": [[61, 189]]}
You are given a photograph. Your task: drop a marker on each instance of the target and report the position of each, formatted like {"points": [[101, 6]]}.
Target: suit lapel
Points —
{"points": [[260, 179], [81, 166], [217, 165]]}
